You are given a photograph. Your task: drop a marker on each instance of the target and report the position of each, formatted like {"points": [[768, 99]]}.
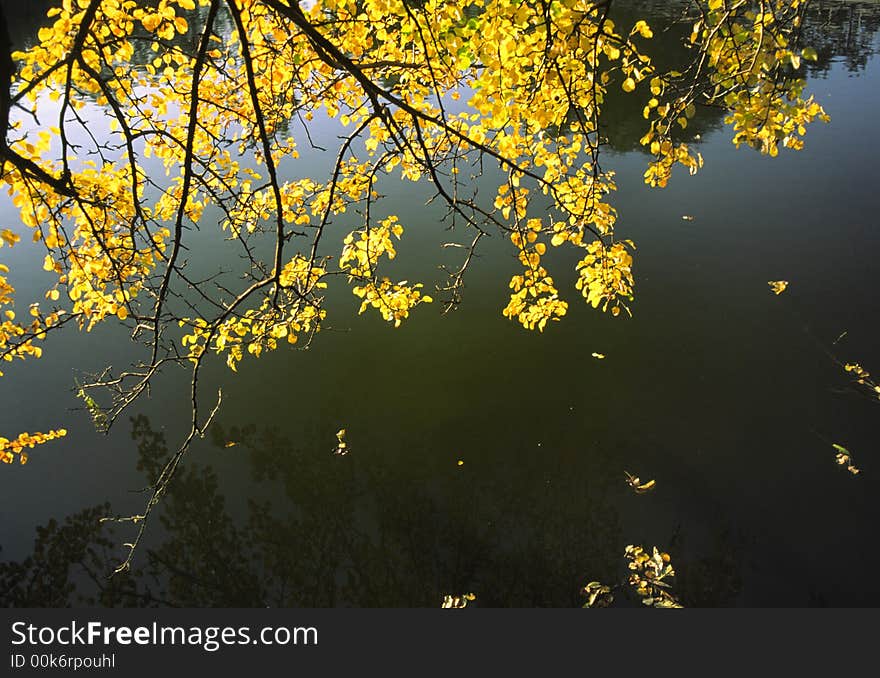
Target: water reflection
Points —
{"points": [[320, 530], [843, 31]]}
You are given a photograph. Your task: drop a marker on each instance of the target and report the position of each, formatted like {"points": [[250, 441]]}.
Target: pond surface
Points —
{"points": [[487, 459]]}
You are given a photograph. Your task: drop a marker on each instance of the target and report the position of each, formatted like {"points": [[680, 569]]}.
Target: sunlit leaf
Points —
{"points": [[778, 286]]}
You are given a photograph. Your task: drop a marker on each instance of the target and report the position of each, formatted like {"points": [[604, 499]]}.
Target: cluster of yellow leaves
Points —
{"points": [[360, 255], [16, 338], [649, 575], [534, 75], [749, 67], [163, 21], [294, 312], [605, 275], [659, 171], [10, 448], [584, 195], [90, 244], [362, 249], [535, 300], [13, 346]]}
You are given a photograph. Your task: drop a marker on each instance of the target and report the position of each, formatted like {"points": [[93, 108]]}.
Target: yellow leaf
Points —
{"points": [[778, 286], [8, 237], [645, 487], [151, 21]]}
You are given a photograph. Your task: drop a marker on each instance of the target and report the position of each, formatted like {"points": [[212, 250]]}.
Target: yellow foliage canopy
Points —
{"points": [[426, 90]]}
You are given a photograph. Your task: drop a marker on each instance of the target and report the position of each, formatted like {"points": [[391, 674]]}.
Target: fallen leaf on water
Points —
{"points": [[778, 286], [636, 483], [457, 602], [844, 458], [598, 356], [598, 595], [231, 443], [341, 447]]}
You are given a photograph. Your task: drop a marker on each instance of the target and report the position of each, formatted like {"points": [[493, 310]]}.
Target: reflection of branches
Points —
{"points": [[456, 278], [67, 557], [328, 530], [167, 473], [340, 531]]}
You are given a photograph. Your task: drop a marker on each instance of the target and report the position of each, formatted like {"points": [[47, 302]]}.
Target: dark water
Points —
{"points": [[722, 391]]}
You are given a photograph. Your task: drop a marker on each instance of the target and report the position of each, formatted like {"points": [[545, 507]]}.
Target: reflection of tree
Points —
{"points": [[356, 531], [69, 559], [344, 532], [621, 121], [329, 531], [837, 29]]}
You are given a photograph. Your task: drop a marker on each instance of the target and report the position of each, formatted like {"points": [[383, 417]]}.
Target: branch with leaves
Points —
{"points": [[496, 92]]}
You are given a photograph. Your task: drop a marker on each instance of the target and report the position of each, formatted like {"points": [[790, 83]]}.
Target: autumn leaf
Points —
{"points": [[778, 286], [637, 485]]}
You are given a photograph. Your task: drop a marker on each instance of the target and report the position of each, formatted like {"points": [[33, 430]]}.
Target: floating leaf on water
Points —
{"points": [[457, 602], [636, 484], [231, 443], [645, 487], [598, 356], [778, 286], [598, 595], [648, 575], [844, 458], [341, 446]]}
